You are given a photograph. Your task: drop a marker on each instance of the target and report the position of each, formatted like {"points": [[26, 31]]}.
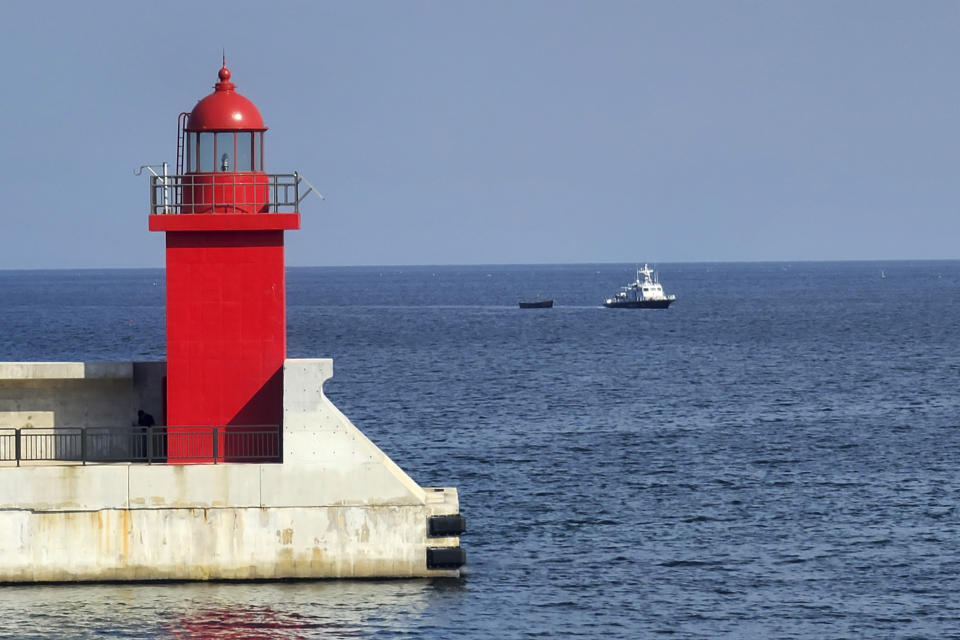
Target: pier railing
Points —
{"points": [[150, 445]]}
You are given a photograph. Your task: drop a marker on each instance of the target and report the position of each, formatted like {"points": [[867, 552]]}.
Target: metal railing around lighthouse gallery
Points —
{"points": [[150, 445], [226, 192]]}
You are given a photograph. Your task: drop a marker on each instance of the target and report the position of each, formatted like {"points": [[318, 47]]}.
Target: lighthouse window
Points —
{"points": [[190, 157], [244, 150], [205, 152], [258, 151], [226, 152]]}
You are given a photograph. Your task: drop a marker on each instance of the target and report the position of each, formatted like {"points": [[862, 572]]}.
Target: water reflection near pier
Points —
{"points": [[188, 611]]}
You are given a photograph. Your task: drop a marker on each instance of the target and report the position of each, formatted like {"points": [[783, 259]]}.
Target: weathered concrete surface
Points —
{"points": [[79, 394], [206, 544], [27, 419], [194, 486], [336, 507], [63, 488], [334, 462], [65, 370]]}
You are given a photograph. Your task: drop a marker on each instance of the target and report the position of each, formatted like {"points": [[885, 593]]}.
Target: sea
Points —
{"points": [[774, 456]]}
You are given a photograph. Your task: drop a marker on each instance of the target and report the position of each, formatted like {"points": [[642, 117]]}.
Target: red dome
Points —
{"points": [[225, 110]]}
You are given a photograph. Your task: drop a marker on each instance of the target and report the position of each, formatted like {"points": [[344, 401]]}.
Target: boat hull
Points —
{"points": [[540, 304], [638, 304]]}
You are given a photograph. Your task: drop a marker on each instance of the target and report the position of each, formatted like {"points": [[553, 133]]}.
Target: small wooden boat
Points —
{"points": [[538, 304]]}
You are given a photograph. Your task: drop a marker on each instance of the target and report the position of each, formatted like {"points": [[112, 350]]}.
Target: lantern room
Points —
{"points": [[223, 133], [220, 153]]}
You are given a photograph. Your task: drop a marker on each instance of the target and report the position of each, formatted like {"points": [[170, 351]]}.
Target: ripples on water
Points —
{"points": [[351, 609], [772, 457]]}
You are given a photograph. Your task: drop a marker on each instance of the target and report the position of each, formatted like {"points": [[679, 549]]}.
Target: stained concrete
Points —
{"points": [[336, 507]]}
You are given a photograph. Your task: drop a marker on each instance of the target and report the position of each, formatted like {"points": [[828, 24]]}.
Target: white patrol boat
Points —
{"points": [[641, 294]]}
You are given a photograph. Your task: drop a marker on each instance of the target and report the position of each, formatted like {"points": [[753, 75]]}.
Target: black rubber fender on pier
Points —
{"points": [[446, 526], [446, 557]]}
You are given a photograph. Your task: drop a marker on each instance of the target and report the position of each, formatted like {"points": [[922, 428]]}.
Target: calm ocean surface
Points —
{"points": [[775, 456]]}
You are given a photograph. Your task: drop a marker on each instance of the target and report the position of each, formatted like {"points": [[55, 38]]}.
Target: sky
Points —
{"points": [[500, 132]]}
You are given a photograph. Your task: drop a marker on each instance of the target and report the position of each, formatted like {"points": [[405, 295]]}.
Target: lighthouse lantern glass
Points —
{"points": [[230, 151], [205, 152], [244, 148], [189, 153], [226, 151]]}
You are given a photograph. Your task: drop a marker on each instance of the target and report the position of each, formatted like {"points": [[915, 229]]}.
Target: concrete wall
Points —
{"points": [[209, 544], [336, 463], [71, 395], [186, 522], [79, 394], [336, 507]]}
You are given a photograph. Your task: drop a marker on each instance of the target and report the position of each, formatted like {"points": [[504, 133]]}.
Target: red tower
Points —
{"points": [[224, 219]]}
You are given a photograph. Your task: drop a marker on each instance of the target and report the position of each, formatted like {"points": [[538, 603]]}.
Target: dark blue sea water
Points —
{"points": [[775, 456]]}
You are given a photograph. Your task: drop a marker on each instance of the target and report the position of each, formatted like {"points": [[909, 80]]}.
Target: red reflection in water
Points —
{"points": [[249, 624]]}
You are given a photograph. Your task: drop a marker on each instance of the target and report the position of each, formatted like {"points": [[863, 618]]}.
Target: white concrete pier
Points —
{"points": [[336, 507]]}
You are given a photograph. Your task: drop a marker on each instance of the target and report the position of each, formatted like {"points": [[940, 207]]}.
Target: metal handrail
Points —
{"points": [[150, 445], [261, 192]]}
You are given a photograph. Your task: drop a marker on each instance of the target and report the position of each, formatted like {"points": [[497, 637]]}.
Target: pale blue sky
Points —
{"points": [[501, 132]]}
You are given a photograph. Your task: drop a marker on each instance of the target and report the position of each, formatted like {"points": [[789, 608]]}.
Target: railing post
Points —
{"points": [[149, 451], [83, 445], [166, 190], [17, 445], [216, 446]]}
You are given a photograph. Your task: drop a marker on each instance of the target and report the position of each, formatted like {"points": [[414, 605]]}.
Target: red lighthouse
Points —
{"points": [[224, 219]]}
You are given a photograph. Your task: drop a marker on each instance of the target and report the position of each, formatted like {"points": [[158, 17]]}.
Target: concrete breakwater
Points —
{"points": [[335, 507]]}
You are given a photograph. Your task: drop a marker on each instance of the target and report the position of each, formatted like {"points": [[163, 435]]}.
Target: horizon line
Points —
{"points": [[513, 264]]}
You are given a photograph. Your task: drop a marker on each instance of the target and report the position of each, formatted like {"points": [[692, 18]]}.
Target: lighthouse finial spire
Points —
{"points": [[224, 75]]}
